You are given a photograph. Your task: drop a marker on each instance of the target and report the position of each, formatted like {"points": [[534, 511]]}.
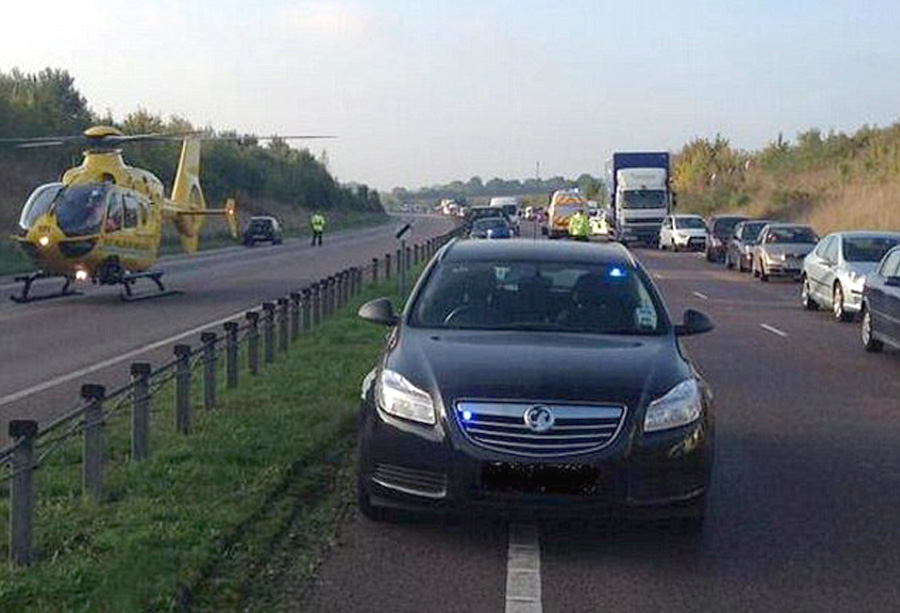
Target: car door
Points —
{"points": [[889, 301], [816, 268]]}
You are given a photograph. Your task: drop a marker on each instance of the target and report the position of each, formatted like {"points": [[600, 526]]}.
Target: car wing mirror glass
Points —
{"points": [[694, 322], [379, 311]]}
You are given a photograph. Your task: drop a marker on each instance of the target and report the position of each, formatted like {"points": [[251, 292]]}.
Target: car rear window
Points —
{"points": [[867, 248], [541, 296], [791, 235]]}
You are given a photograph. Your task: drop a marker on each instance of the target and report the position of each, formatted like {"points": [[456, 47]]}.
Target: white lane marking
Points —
{"points": [[658, 276], [774, 330], [113, 361], [701, 295], [523, 569]]}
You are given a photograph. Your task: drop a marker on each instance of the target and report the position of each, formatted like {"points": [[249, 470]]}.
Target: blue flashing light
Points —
{"points": [[616, 272], [467, 415]]}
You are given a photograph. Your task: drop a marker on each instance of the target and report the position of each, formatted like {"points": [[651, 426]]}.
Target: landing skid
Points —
{"points": [[129, 279], [30, 278]]}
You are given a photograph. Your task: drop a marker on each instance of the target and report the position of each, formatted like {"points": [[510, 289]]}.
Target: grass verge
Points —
{"points": [[194, 527]]}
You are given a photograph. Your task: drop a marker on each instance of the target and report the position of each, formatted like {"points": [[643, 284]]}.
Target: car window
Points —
{"points": [[891, 265], [540, 296], [867, 248], [798, 234], [690, 223]]}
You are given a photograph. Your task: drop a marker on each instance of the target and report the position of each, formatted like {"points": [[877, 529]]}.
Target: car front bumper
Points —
{"points": [[411, 467]]}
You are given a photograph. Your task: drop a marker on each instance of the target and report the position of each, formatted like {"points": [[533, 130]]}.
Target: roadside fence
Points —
{"points": [[256, 340]]}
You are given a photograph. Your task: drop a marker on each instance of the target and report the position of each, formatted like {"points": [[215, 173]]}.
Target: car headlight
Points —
{"points": [[680, 406], [397, 396]]}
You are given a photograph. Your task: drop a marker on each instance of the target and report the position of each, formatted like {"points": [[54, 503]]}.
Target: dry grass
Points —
{"points": [[858, 207]]}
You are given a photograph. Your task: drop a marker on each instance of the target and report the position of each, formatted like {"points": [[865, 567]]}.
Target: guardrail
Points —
{"points": [[264, 333]]}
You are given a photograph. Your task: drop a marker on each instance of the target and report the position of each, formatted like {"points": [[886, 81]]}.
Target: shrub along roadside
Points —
{"points": [[189, 527]]}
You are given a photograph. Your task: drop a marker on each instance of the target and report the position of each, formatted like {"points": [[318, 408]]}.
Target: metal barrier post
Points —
{"points": [[283, 316], [140, 411], [307, 309], [295, 315], [209, 369], [269, 331], [374, 270], [339, 290], [399, 260], [387, 266], [231, 354], [92, 450], [21, 491], [253, 341], [183, 388]]}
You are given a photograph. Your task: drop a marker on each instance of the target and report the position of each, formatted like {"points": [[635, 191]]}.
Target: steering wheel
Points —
{"points": [[456, 312]]}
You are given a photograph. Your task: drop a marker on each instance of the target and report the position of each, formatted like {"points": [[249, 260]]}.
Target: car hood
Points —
{"points": [[795, 249], [538, 366]]}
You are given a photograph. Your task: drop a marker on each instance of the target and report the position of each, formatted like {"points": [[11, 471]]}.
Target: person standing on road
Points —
{"points": [[579, 226], [317, 225]]}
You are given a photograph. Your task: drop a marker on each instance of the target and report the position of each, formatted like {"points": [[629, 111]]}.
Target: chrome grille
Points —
{"points": [[501, 426], [427, 483]]}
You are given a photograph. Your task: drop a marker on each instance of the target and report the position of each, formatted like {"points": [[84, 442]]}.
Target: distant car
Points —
{"points": [[262, 229], [835, 272], [683, 232], [881, 304], [721, 229], [739, 251], [780, 250], [478, 212], [491, 227]]}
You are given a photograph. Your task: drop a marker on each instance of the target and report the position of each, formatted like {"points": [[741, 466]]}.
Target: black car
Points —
{"points": [[721, 229], [881, 304], [540, 375], [491, 227], [262, 229], [739, 250]]}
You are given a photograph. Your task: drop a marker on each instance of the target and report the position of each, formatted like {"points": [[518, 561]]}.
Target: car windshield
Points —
{"points": [[79, 209], [644, 199], [538, 296], [38, 203], [690, 223], [799, 234], [260, 224], [725, 226], [867, 248], [490, 223], [751, 231]]}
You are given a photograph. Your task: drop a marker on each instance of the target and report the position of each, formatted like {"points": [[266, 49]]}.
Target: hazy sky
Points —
{"points": [[424, 92]]}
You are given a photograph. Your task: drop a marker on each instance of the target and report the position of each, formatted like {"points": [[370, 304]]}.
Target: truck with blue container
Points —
{"points": [[640, 195]]}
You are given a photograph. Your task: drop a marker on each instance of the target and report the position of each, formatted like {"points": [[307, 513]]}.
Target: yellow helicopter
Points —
{"points": [[103, 221]]}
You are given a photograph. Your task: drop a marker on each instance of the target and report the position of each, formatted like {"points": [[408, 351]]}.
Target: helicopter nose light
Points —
{"points": [[44, 241], [81, 274]]}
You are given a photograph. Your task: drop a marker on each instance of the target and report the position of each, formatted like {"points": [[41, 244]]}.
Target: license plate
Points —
{"points": [[546, 479]]}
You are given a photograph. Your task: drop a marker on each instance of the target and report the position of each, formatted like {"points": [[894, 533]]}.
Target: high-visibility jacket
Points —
{"points": [[317, 222], [579, 225]]}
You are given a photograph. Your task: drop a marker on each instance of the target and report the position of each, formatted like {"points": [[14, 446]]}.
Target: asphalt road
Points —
{"points": [[47, 346], [804, 502]]}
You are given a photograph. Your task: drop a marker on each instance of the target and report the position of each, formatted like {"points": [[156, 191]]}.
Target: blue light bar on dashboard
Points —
{"points": [[616, 272]]}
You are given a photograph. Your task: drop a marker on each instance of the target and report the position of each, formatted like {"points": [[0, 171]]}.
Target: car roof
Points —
{"points": [[867, 234], [543, 250], [784, 224], [263, 217]]}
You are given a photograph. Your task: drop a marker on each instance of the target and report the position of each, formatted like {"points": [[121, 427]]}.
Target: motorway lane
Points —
{"points": [[45, 340], [804, 497]]}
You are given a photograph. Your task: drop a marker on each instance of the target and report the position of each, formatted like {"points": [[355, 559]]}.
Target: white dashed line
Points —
{"points": [[523, 570], [701, 295], [774, 330]]}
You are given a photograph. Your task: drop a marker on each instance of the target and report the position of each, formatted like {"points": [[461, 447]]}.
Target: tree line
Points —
{"points": [[593, 188], [48, 104]]}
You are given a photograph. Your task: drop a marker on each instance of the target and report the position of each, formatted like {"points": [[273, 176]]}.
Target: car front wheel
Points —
{"points": [[870, 343], [805, 298], [837, 305]]}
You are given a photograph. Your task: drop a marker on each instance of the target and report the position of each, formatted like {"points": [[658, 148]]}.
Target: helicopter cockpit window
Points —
{"points": [[38, 203], [80, 208], [115, 213], [131, 211]]}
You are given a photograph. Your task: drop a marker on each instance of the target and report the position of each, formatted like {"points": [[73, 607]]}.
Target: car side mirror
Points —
{"points": [[694, 322], [379, 311]]}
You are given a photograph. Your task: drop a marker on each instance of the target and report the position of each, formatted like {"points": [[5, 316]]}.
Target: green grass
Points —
{"points": [[195, 526]]}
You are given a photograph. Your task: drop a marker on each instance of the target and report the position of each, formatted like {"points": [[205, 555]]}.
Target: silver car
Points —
{"points": [[834, 273], [780, 248]]}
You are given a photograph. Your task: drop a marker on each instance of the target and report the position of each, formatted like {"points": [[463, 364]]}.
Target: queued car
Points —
{"points": [[262, 228], [479, 212], [491, 227], [780, 249], [739, 251], [721, 229], [539, 375], [683, 232], [835, 272], [881, 304]]}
